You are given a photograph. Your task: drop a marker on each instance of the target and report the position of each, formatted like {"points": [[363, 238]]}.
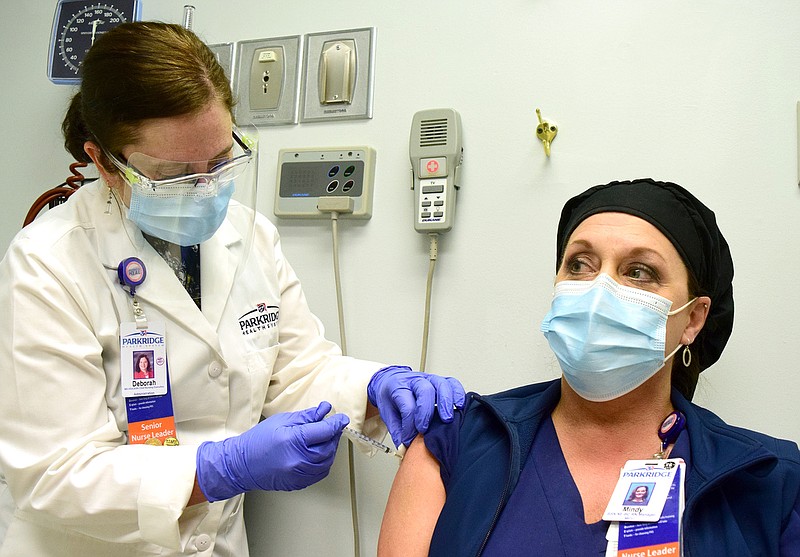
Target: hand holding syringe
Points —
{"points": [[358, 437]]}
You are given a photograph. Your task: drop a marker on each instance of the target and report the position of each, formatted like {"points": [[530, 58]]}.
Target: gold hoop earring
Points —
{"points": [[686, 356]]}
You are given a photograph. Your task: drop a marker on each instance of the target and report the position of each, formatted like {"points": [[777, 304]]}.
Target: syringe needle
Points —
{"points": [[354, 435]]}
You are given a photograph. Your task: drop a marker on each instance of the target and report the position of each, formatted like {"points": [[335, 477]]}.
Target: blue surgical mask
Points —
{"points": [[185, 202], [608, 338], [184, 219]]}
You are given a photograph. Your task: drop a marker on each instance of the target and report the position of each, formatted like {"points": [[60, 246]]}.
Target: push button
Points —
{"points": [[430, 168]]}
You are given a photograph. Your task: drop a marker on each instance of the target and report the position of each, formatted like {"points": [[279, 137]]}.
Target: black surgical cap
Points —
{"points": [[692, 229]]}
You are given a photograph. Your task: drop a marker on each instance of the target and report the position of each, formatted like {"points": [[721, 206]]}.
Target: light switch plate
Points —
{"points": [[334, 46], [266, 84]]}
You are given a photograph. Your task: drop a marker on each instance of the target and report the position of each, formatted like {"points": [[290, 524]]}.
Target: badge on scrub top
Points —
{"points": [[642, 490], [635, 537]]}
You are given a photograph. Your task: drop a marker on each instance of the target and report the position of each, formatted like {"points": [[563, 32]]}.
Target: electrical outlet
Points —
{"points": [[308, 177], [267, 81]]}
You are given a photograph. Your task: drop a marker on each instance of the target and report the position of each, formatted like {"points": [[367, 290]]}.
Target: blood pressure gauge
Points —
{"points": [[76, 25]]}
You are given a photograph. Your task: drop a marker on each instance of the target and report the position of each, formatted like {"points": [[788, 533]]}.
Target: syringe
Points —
{"points": [[359, 437]]}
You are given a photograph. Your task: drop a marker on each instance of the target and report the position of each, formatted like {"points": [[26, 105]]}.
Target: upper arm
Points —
{"points": [[415, 501]]}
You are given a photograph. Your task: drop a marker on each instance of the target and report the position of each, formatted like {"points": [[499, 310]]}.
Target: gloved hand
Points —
{"points": [[284, 452], [406, 399]]}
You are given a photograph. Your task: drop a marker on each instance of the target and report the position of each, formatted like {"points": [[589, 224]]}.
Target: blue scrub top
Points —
{"points": [[544, 514]]}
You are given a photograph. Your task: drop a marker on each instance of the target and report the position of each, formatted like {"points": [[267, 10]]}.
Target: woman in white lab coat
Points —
{"points": [[240, 340]]}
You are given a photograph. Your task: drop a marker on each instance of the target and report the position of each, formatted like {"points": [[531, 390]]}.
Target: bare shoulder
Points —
{"points": [[415, 501]]}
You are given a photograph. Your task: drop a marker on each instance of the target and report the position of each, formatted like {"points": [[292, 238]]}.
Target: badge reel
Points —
{"points": [[131, 273], [669, 431], [143, 345]]}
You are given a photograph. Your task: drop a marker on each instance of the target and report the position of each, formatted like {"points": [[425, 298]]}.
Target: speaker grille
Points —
{"points": [[433, 133]]}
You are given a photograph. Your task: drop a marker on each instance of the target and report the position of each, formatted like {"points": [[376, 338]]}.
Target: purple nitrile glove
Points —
{"points": [[406, 399], [285, 452]]}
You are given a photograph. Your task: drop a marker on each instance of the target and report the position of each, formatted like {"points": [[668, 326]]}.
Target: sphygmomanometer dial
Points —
{"points": [[76, 25]]}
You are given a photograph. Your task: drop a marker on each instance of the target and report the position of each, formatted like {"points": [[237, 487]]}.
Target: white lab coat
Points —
{"points": [[79, 488]]}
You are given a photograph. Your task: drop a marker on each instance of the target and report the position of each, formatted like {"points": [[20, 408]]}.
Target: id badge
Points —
{"points": [[143, 360], [642, 490], [636, 539], [145, 384], [639, 538]]}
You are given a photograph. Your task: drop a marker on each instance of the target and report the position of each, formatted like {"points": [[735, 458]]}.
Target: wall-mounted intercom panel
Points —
{"points": [[267, 80], [338, 75], [436, 152], [224, 53], [308, 177]]}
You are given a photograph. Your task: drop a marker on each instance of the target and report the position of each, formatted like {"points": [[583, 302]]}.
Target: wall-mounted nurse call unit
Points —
{"points": [[436, 153], [332, 177]]}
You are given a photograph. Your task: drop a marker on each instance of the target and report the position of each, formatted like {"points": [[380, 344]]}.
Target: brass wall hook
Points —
{"points": [[546, 132]]}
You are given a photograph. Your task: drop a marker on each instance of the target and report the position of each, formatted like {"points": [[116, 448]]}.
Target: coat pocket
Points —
{"points": [[260, 364]]}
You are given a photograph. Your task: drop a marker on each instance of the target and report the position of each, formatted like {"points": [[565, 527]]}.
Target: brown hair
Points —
{"points": [[135, 72]]}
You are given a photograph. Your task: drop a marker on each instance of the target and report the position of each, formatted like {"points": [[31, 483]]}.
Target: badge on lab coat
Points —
{"points": [[143, 360], [145, 384]]}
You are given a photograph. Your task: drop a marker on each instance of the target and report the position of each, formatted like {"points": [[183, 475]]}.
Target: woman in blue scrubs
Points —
{"points": [[643, 303]]}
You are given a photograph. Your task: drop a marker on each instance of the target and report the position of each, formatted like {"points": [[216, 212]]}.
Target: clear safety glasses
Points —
{"points": [[194, 178]]}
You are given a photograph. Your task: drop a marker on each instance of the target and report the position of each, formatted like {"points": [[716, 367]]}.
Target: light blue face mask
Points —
{"points": [[184, 219], [608, 338], [185, 202]]}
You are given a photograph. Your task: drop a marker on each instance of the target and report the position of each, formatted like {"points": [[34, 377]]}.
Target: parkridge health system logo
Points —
{"points": [[260, 318]]}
